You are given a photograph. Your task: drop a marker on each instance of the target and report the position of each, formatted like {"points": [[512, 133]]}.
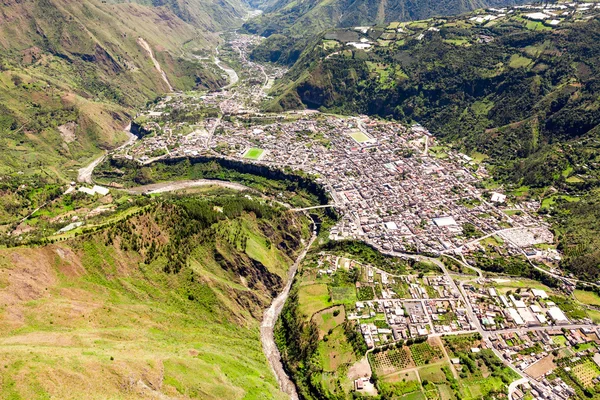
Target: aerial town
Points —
{"points": [[553, 350], [400, 191]]}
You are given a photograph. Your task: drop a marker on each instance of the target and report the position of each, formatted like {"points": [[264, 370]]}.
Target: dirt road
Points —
{"points": [[179, 185]]}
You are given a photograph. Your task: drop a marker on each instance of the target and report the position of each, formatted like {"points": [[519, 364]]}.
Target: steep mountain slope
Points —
{"points": [[164, 304], [212, 15], [72, 73], [296, 20]]}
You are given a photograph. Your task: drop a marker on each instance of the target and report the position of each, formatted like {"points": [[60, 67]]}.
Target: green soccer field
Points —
{"points": [[360, 137], [253, 153]]}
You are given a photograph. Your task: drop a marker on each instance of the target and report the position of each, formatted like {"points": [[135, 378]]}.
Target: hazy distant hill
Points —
{"points": [[312, 16]]}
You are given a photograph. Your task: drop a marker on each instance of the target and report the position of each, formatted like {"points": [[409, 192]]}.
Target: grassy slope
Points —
{"points": [[83, 57], [87, 319]]}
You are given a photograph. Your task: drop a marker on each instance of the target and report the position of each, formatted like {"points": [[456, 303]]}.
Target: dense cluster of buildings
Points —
{"points": [[527, 308]]}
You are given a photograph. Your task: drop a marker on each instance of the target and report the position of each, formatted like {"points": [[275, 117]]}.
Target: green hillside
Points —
{"points": [[72, 74], [503, 89], [164, 303], [307, 16], [287, 24]]}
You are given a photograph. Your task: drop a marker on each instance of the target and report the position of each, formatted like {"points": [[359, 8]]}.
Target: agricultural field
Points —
{"points": [[586, 297], [586, 372], [335, 351], [343, 295], [425, 353], [389, 361], [365, 293], [433, 373], [541, 367], [403, 385], [329, 319], [313, 298]]}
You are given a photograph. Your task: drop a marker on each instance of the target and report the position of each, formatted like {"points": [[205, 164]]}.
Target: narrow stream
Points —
{"points": [[270, 318]]}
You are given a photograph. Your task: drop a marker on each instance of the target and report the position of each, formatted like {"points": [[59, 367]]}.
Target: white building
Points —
{"points": [[557, 315]]}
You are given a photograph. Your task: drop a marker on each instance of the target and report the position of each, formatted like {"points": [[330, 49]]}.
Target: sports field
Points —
{"points": [[360, 137], [253, 153]]}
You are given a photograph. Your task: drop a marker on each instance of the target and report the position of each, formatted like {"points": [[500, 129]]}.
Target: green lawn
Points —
{"points": [[253, 153], [559, 340]]}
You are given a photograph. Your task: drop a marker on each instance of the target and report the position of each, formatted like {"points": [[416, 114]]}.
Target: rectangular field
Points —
{"points": [[359, 137], [253, 153]]}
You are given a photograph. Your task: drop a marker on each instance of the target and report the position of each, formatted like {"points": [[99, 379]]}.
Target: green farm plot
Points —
{"points": [[414, 396], [574, 179], [401, 385], [253, 153], [594, 315], [586, 297], [387, 362], [335, 351], [433, 373], [586, 372], [518, 61], [313, 298], [445, 392], [343, 294], [365, 293], [424, 353], [329, 319], [360, 137]]}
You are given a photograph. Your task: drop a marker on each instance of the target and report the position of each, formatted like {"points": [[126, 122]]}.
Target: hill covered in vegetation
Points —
{"points": [[310, 16], [73, 72], [289, 24], [163, 303]]}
